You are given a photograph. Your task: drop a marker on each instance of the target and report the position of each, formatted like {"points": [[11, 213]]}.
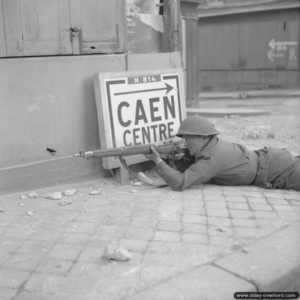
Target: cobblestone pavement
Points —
{"points": [[52, 249]]}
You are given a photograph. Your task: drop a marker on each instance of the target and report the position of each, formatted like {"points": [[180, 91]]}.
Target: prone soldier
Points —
{"points": [[221, 162]]}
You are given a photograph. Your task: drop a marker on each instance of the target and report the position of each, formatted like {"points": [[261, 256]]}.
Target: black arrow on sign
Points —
{"points": [[168, 88]]}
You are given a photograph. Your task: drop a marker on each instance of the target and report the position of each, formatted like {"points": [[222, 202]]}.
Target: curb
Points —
{"points": [[207, 282], [221, 112], [272, 265], [250, 94]]}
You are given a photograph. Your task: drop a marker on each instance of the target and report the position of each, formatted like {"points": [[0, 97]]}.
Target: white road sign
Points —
{"points": [[136, 108]]}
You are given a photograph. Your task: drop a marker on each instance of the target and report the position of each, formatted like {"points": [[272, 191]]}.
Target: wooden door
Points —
{"points": [[36, 27], [61, 27]]}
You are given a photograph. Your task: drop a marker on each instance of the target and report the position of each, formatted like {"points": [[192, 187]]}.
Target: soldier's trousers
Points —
{"points": [[292, 180], [278, 169]]}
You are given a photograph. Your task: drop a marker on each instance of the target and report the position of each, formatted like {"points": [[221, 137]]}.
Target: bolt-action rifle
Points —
{"points": [[170, 151]]}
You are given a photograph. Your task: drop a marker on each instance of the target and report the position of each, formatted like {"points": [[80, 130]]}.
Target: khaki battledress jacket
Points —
{"points": [[226, 163]]}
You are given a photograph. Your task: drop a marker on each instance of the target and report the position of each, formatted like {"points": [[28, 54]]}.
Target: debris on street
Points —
{"points": [[71, 192], [23, 197], [133, 191], [222, 229], [95, 192], [245, 250], [65, 202], [136, 183], [29, 213], [54, 196], [32, 195], [114, 251]]}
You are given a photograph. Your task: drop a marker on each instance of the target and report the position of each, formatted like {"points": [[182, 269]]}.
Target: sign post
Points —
{"points": [[136, 108]]}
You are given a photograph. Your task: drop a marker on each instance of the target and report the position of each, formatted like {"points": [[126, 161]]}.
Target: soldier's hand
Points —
{"points": [[154, 156]]}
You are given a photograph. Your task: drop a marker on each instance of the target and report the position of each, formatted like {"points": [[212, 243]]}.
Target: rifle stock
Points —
{"points": [[164, 149]]}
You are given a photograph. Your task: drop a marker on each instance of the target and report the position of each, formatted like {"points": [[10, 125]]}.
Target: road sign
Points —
{"points": [[136, 108], [278, 49]]}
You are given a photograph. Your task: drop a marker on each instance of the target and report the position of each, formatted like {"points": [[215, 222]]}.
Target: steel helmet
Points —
{"points": [[196, 126]]}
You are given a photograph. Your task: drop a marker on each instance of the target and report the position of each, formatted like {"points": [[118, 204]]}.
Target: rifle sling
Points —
{"points": [[124, 164]]}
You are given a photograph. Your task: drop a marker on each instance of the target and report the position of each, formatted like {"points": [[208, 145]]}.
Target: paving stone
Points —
{"points": [[194, 228], [277, 201], [65, 251], [163, 247], [187, 218], [169, 217], [109, 232], [252, 223], [6, 293], [11, 244], [36, 247], [153, 274], [245, 232], [214, 198], [162, 259], [136, 245], [192, 202], [217, 212], [47, 235], [284, 208], [194, 238], [214, 204], [260, 207], [139, 233], [23, 261], [278, 194], [29, 295], [231, 193], [47, 284], [238, 205], [225, 241], [261, 200], [265, 214], [292, 195], [12, 278], [218, 221], [236, 199], [289, 216], [167, 236], [191, 210], [241, 214], [250, 194], [140, 223], [20, 231], [169, 226], [54, 266], [74, 238], [81, 227]]}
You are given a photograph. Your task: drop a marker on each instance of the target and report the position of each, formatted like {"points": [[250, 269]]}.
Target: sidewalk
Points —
{"points": [[204, 243]]}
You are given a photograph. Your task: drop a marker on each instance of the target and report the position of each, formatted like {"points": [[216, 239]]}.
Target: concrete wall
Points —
{"points": [[49, 102]]}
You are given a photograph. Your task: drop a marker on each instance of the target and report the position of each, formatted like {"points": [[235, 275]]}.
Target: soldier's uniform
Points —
{"points": [[227, 163]]}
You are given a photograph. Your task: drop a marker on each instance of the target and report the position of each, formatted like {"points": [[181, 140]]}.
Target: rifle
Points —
{"points": [[169, 151]]}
